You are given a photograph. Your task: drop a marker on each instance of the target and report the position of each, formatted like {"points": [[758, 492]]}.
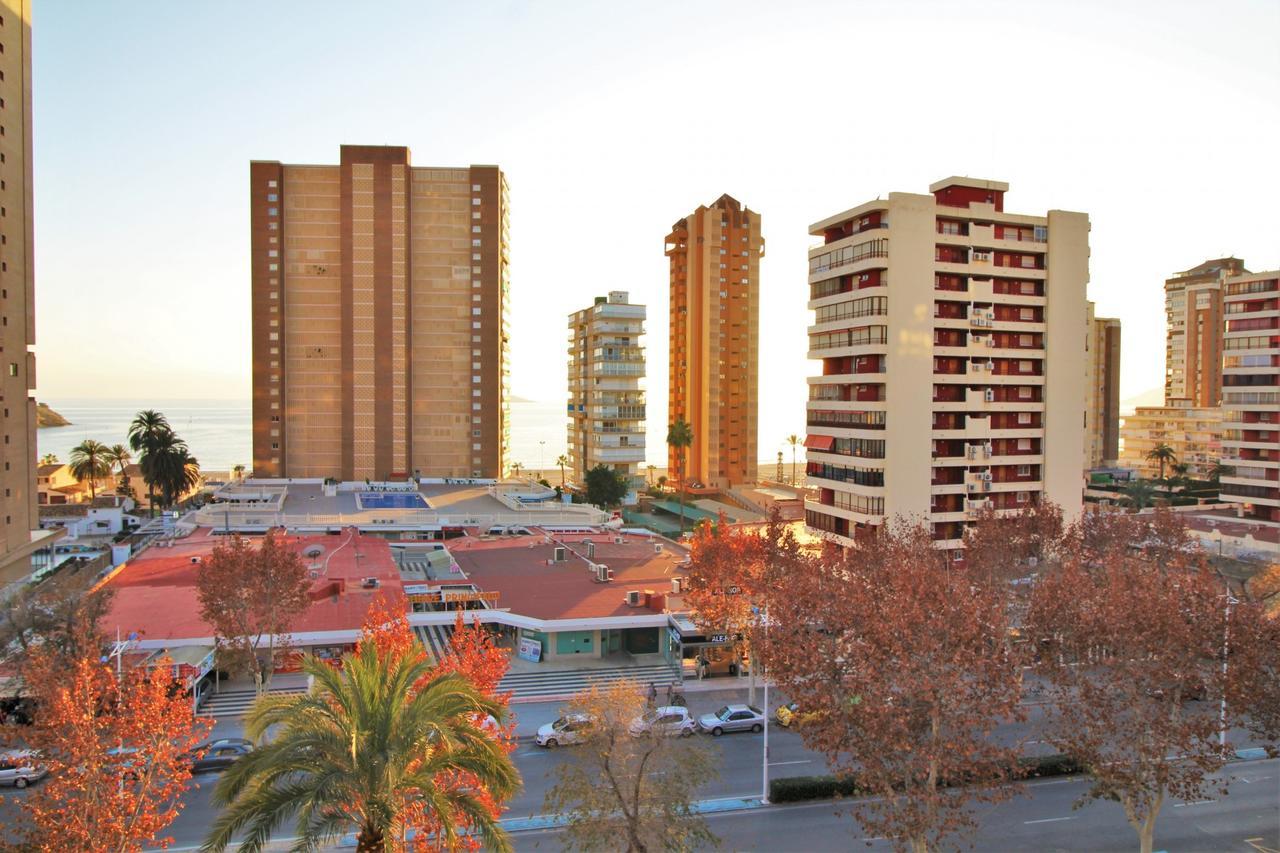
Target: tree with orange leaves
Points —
{"points": [[731, 574], [1131, 632], [898, 657], [1004, 546], [116, 751]]}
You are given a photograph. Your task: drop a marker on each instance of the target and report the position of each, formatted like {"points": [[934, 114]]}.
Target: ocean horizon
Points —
{"points": [[219, 432]]}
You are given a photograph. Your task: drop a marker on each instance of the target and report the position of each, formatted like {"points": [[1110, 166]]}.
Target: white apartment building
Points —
{"points": [[606, 387], [948, 332], [1250, 396]]}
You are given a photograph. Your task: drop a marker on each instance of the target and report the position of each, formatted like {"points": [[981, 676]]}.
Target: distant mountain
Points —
{"points": [[47, 417], [1150, 397], [513, 398]]}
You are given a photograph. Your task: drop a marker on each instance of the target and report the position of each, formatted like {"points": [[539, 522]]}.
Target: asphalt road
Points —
{"points": [[1040, 819]]}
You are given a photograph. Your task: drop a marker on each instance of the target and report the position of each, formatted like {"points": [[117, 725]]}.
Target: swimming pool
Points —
{"points": [[391, 500]]}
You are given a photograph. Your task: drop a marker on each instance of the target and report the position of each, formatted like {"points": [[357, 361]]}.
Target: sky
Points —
{"points": [[611, 122]]}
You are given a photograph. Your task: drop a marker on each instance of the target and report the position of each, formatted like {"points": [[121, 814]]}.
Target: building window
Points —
{"points": [[272, 197], [13, 368], [273, 211], [271, 183]]}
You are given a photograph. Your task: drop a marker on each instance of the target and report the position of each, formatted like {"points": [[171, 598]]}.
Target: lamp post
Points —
{"points": [[759, 659], [541, 446], [1226, 636]]}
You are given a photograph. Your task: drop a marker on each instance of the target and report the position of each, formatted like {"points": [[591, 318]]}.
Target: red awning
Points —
{"points": [[819, 442]]}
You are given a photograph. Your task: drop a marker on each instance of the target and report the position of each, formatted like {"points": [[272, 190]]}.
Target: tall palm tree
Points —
{"points": [[651, 469], [49, 459], [1162, 454], [147, 430], [562, 460], [89, 462], [118, 454], [363, 748], [238, 471], [169, 468], [515, 469], [680, 437], [794, 441], [1217, 471], [1181, 474]]}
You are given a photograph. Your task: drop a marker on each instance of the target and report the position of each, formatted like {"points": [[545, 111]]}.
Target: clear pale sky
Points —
{"points": [[612, 121]]}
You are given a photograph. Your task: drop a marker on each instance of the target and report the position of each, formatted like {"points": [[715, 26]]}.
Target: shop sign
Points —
{"points": [[436, 596], [717, 638], [529, 649]]}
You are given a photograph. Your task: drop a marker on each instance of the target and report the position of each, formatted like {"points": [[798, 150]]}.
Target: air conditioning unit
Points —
{"points": [[633, 598], [604, 574], [677, 586], [369, 583], [558, 555], [989, 395], [657, 547], [986, 475], [991, 315], [986, 485], [195, 559], [991, 365], [986, 448], [971, 451], [973, 487], [618, 540], [591, 550]]}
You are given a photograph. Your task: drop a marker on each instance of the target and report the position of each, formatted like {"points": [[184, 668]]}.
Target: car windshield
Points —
{"points": [[723, 713], [559, 724]]}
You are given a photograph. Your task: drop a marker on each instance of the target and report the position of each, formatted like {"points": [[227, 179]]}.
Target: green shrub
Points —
{"points": [[1050, 765], [793, 789]]}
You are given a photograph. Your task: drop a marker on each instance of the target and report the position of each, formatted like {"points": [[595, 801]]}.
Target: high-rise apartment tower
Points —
{"points": [[949, 334], [1193, 334], [715, 256], [18, 539], [606, 388], [380, 294], [1102, 391], [1251, 395]]}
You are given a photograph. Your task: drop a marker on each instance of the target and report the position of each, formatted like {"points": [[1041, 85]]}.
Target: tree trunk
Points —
{"points": [[370, 840], [918, 845]]}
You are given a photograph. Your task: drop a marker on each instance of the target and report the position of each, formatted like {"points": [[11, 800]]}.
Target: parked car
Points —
{"points": [[568, 730], [787, 714], [21, 767], [732, 718], [669, 720], [218, 754]]}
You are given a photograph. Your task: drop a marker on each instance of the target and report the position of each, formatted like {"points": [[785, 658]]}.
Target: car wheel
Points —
{"points": [[687, 733], [757, 728], [717, 731], [20, 782], [552, 743]]}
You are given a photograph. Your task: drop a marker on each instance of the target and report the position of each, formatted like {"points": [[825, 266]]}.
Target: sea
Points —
{"points": [[219, 432]]}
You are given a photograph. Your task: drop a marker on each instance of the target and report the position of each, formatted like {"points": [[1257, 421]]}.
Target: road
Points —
{"points": [[1041, 819]]}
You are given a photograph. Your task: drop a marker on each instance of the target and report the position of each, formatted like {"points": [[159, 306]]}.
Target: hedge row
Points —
{"points": [[792, 789]]}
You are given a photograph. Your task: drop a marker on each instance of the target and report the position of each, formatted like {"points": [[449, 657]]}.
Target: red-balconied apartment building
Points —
{"points": [[950, 337], [1251, 395]]}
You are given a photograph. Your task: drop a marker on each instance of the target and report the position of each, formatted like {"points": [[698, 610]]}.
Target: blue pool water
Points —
{"points": [[392, 500]]}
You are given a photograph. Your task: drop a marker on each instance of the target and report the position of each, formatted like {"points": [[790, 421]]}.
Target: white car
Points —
{"points": [[20, 767], [732, 718], [568, 730], [669, 720]]}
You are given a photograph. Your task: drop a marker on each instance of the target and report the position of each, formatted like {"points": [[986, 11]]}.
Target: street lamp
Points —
{"points": [[1226, 635], [759, 659], [541, 446]]}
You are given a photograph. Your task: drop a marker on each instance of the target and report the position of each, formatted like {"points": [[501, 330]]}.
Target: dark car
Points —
{"points": [[218, 754]]}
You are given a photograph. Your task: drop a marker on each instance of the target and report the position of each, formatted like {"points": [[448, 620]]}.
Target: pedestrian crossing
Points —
{"points": [[549, 683], [435, 639]]}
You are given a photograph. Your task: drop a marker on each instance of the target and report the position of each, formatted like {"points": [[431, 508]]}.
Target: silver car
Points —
{"points": [[732, 718], [669, 720], [20, 767], [568, 730]]}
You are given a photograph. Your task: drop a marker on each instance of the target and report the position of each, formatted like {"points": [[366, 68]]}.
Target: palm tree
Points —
{"points": [[169, 467], [1139, 494], [364, 748], [679, 437], [662, 481], [1180, 474], [238, 471], [146, 432], [562, 460], [1161, 454], [118, 454], [89, 462], [1217, 471], [794, 441], [49, 459], [650, 469]]}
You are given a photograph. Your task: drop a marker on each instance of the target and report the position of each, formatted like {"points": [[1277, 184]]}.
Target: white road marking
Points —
{"points": [[781, 763], [1196, 803], [1048, 820]]}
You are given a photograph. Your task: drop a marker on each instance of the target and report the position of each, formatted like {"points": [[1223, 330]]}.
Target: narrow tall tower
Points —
{"points": [[950, 336], [606, 388], [380, 299], [1102, 391], [1193, 335], [18, 513], [715, 340]]}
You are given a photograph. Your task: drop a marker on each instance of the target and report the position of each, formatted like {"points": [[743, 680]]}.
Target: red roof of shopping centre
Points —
{"points": [[517, 568], [155, 592]]}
